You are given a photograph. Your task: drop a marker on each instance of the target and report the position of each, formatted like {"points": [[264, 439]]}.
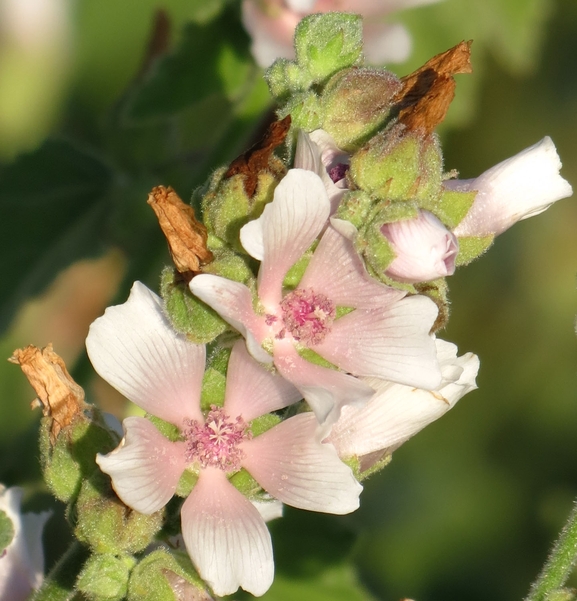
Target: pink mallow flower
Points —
{"points": [[22, 562], [384, 334], [398, 412], [271, 24], [425, 249], [520, 187], [134, 348]]}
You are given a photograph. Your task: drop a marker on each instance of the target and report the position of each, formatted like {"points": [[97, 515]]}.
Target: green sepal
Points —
{"points": [[168, 430], [471, 247], [325, 43], [372, 463], [156, 574], [214, 380], [188, 314], [399, 165], [186, 483], [355, 207], [437, 291], [451, 206], [246, 484], [106, 524], [342, 311], [263, 423], [72, 457], [314, 358], [295, 274], [231, 265], [356, 102], [6, 531], [105, 577]]}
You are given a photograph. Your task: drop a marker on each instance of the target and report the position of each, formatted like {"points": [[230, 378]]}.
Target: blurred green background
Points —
{"points": [[469, 507]]}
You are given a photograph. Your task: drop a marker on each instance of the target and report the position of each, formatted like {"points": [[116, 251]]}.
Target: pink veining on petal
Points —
{"points": [[226, 537]]}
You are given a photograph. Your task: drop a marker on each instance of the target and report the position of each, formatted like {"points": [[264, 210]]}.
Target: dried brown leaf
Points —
{"points": [[427, 93], [256, 158], [186, 235], [59, 395]]}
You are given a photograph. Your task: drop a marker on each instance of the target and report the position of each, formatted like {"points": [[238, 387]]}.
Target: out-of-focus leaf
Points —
{"points": [[6, 531], [211, 59], [52, 208]]}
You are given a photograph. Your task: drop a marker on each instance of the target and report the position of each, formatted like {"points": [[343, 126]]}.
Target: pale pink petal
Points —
{"points": [[252, 390], [233, 302], [368, 8], [392, 343], [292, 465], [325, 390], [515, 189], [337, 271], [385, 43], [301, 6], [134, 347], [290, 224], [146, 467], [397, 412], [226, 537]]}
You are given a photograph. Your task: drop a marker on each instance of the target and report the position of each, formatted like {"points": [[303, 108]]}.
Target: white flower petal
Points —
{"points": [[397, 412], [145, 468], [252, 390], [392, 343], [291, 464], [270, 509], [226, 537], [386, 42], [520, 187], [290, 224], [134, 347]]}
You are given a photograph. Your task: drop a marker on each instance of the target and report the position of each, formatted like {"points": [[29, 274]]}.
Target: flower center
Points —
{"points": [[338, 172], [307, 316], [216, 442]]}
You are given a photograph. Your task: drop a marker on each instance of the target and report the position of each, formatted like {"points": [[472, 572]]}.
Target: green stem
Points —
{"points": [[59, 584], [560, 563]]}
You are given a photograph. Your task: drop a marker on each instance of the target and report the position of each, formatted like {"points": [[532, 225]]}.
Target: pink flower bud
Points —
{"points": [[520, 187], [425, 249]]}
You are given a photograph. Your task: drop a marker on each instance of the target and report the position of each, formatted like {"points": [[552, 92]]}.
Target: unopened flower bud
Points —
{"points": [[106, 576], [356, 102], [398, 165], [425, 249], [520, 187]]}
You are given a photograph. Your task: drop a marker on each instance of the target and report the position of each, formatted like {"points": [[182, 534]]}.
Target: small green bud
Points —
{"points": [[108, 526], [356, 103], [105, 577], [284, 78], [325, 43], [166, 576], [188, 314], [472, 247], [6, 531], [355, 207], [227, 206], [214, 380], [398, 165], [306, 112]]}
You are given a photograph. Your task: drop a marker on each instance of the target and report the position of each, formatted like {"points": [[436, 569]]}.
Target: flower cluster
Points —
{"points": [[320, 293]]}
